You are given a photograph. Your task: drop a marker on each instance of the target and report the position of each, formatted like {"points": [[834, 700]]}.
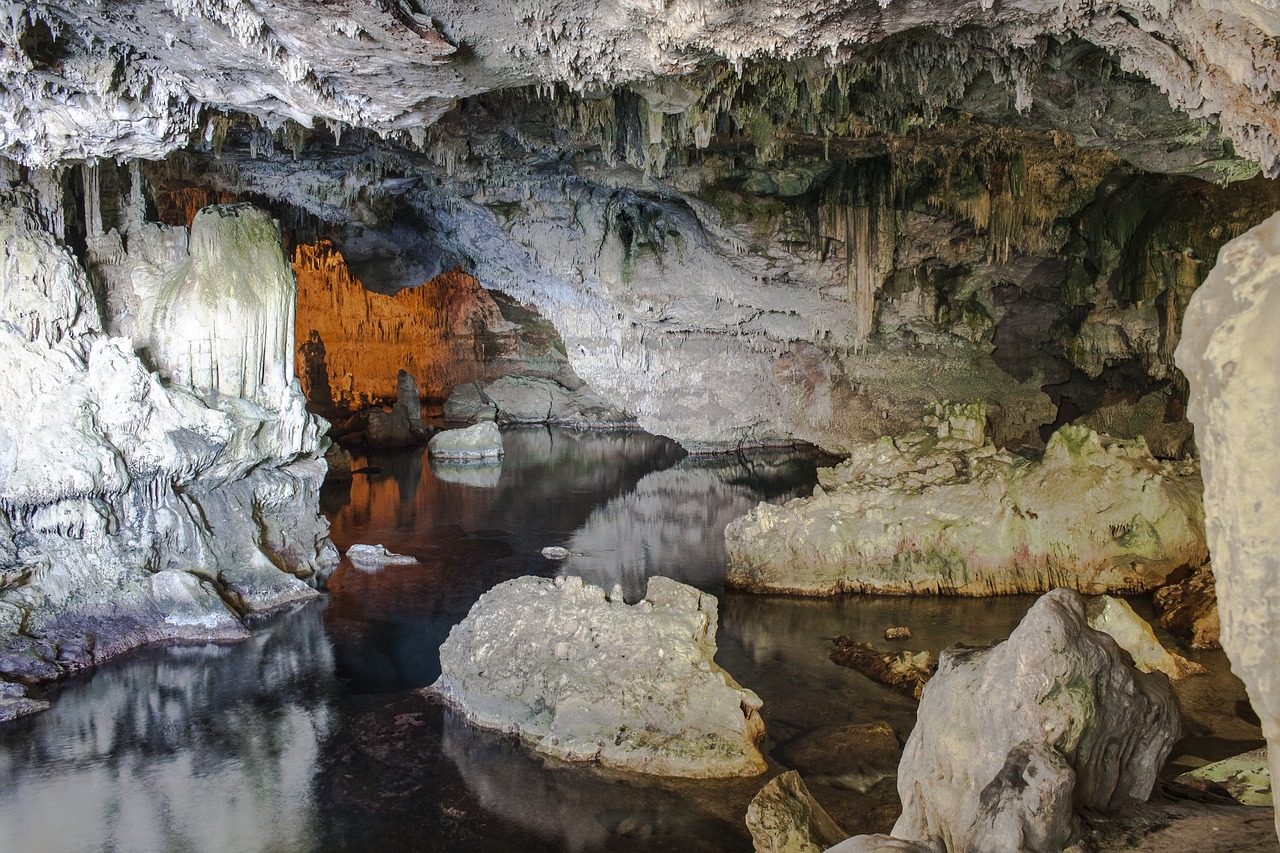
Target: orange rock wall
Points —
{"points": [[443, 332]]}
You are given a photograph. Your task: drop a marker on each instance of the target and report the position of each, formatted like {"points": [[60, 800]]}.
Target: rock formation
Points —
{"points": [[134, 509], [854, 757], [943, 511], [481, 442], [785, 818], [586, 677], [908, 671], [534, 400], [402, 426], [1013, 740], [1229, 352], [1190, 608], [1115, 618]]}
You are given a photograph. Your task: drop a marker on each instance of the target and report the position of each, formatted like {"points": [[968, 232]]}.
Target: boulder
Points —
{"points": [[1012, 740], [586, 677], [402, 426], [1247, 777], [943, 511], [482, 441], [339, 462], [534, 400], [370, 558], [1190, 608], [468, 404], [785, 818], [1114, 616]]}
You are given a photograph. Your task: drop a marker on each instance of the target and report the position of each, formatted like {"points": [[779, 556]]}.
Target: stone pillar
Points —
{"points": [[1230, 353]]}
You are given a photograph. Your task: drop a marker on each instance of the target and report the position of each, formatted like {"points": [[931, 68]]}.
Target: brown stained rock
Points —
{"points": [[1190, 609], [785, 818], [898, 633], [905, 670]]}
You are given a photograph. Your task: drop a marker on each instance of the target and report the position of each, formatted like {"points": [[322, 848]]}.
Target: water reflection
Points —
{"points": [[208, 748]]}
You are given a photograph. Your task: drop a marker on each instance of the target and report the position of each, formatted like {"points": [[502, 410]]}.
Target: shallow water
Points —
{"points": [[311, 735]]}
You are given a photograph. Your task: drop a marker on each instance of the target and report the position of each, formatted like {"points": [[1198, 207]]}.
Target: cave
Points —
{"points": [[680, 423]]}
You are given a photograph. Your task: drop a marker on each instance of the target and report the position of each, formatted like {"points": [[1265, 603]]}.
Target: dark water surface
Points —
{"points": [[311, 736]]}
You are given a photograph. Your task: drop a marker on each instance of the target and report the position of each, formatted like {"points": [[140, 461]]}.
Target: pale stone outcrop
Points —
{"points": [[534, 400], [1114, 617], [586, 677], [944, 511], [1012, 740], [133, 509], [1246, 777], [371, 558], [785, 818], [482, 441], [1229, 352]]}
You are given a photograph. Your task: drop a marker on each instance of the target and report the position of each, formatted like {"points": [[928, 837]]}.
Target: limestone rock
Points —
{"points": [[1247, 777], [533, 400], [14, 701], [1114, 617], [1011, 740], [856, 757], [588, 678], [1228, 351], [785, 818], [907, 671], [370, 558], [467, 403], [338, 460], [898, 632], [134, 509], [403, 426], [472, 444], [942, 511], [1190, 608]]}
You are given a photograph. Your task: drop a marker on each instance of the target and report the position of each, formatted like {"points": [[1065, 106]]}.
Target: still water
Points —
{"points": [[312, 735]]}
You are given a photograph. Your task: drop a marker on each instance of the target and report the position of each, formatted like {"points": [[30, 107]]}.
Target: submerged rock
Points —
{"points": [[1012, 740], [785, 818], [944, 511], [374, 557], [1114, 616], [905, 670], [477, 442], [857, 757], [1247, 777], [1190, 608], [587, 677]]}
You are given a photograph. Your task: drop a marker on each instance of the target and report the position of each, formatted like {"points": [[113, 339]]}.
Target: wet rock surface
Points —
{"points": [[858, 757], [1114, 617], [905, 670], [475, 443], [943, 511], [785, 818], [1190, 608], [587, 677], [1013, 740]]}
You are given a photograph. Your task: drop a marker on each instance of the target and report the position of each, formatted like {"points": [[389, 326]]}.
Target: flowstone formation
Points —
{"points": [[586, 677], [138, 505], [1013, 741], [941, 510], [1230, 354]]}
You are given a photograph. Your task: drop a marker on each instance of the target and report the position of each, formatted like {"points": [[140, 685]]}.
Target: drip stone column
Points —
{"points": [[1230, 353]]}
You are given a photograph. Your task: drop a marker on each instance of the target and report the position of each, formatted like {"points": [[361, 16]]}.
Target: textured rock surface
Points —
{"points": [[370, 558], [856, 757], [473, 443], [1247, 777], [908, 671], [1229, 352], [133, 509], [785, 818], [402, 426], [1011, 741], [589, 678], [942, 510], [1115, 618], [1190, 608]]}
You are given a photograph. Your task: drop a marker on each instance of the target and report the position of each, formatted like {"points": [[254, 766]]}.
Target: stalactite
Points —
{"points": [[92, 200]]}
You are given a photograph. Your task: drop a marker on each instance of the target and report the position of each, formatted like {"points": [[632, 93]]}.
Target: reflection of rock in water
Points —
{"points": [[480, 476], [210, 748], [673, 522], [576, 808]]}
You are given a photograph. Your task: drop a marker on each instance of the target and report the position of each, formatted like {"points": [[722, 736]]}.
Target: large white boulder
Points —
{"points": [[586, 677], [1230, 352], [943, 511], [1012, 740], [482, 441]]}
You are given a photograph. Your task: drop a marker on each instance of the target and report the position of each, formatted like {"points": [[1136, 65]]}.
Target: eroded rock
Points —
{"points": [[370, 558], [785, 818], [587, 677], [943, 511], [482, 441], [402, 426], [907, 671], [857, 757], [1190, 608], [1114, 617], [1247, 777], [1013, 739]]}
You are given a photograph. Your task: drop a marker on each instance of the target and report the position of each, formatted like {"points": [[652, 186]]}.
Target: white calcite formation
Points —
{"points": [[482, 441], [943, 511], [133, 508], [371, 558], [586, 677], [1229, 352], [1012, 741]]}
